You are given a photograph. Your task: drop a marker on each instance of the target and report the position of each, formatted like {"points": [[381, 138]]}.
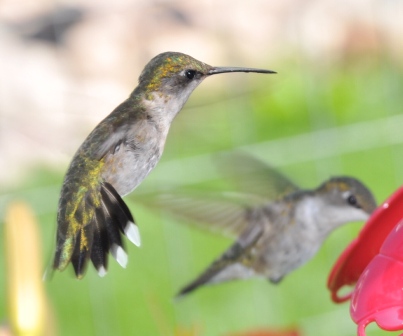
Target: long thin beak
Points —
{"points": [[219, 70]]}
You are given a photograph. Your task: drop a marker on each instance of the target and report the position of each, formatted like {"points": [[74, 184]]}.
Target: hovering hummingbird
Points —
{"points": [[274, 237], [114, 159]]}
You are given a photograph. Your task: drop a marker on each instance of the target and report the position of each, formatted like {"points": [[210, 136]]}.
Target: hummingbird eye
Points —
{"points": [[352, 200], [190, 74]]}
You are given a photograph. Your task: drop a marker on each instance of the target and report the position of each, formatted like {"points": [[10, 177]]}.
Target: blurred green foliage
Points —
{"points": [[246, 110]]}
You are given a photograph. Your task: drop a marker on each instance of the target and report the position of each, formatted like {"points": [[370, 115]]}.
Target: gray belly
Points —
{"points": [[128, 167], [288, 251]]}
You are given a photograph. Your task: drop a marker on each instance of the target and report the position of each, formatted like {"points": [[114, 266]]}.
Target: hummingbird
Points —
{"points": [[116, 157], [278, 228]]}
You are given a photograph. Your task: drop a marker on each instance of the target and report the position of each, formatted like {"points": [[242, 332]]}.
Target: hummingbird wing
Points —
{"points": [[112, 140], [253, 176], [223, 213], [114, 130], [232, 264]]}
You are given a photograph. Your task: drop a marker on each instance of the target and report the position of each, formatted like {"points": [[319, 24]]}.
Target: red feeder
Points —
{"points": [[378, 295], [366, 246]]}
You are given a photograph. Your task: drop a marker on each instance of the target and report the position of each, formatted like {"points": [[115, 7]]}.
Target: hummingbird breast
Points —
{"points": [[133, 159], [287, 241]]}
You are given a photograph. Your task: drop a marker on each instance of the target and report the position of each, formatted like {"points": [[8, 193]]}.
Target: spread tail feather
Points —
{"points": [[233, 264], [95, 228], [228, 267]]}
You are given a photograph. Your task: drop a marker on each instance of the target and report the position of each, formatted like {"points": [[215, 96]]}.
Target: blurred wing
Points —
{"points": [[224, 214], [255, 177]]}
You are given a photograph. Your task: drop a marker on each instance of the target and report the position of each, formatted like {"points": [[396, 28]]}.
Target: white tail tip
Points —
{"points": [[132, 232], [120, 255], [101, 271]]}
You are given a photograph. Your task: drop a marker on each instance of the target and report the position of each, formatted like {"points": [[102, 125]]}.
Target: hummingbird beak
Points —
{"points": [[219, 70]]}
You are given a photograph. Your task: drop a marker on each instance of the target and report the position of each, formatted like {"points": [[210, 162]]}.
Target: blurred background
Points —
{"points": [[332, 109]]}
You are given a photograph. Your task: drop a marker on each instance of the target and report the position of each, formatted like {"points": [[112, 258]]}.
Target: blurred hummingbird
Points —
{"points": [[115, 158], [274, 237]]}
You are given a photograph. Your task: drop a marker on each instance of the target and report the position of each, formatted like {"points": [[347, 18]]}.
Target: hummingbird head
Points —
{"points": [[173, 73], [346, 199], [174, 76]]}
